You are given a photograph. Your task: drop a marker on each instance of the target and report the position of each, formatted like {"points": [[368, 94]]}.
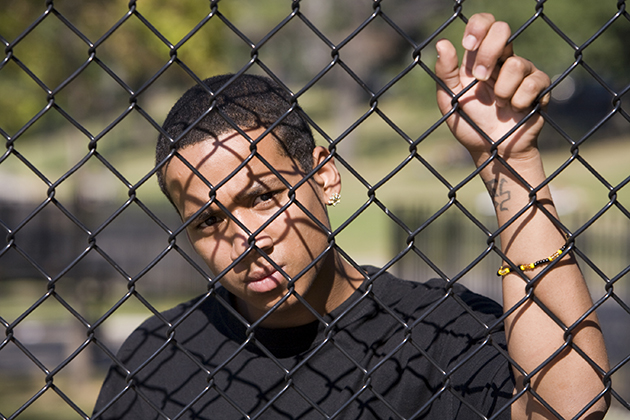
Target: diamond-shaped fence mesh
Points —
{"points": [[93, 248]]}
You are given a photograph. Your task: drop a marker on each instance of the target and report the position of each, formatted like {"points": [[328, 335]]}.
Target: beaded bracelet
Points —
{"points": [[525, 267]]}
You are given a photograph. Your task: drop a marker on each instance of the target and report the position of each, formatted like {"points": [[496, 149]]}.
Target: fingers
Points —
{"points": [[447, 69], [515, 81], [476, 30], [519, 83], [485, 40], [447, 65], [489, 57]]}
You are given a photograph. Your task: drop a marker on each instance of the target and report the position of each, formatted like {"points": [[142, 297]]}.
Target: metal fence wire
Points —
{"points": [[92, 248]]}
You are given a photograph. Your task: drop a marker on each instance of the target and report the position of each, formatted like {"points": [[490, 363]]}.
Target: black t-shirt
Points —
{"points": [[417, 349]]}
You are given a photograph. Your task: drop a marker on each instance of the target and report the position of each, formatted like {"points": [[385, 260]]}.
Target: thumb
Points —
{"points": [[447, 69]]}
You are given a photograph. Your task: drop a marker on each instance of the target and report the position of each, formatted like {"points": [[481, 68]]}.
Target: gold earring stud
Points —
{"points": [[334, 199]]}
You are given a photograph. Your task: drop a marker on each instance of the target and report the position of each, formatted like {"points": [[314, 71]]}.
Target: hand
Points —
{"points": [[508, 85]]}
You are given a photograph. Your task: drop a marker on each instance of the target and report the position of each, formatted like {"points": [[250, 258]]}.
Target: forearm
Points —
{"points": [[503, 96], [568, 382]]}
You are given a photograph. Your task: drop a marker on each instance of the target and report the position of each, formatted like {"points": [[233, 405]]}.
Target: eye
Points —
{"points": [[208, 222], [267, 199], [267, 196]]}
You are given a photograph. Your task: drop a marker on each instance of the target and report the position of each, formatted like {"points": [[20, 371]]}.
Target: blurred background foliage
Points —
{"points": [[89, 60], [52, 52]]}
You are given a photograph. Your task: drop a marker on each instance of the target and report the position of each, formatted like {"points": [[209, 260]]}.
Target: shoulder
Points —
{"points": [[442, 306], [182, 323], [393, 289], [159, 355], [476, 302]]}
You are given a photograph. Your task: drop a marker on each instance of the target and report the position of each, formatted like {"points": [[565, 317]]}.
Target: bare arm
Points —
{"points": [[501, 99]]}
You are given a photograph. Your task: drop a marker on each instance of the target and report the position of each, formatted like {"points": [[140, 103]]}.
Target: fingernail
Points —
{"points": [[480, 73], [470, 42]]}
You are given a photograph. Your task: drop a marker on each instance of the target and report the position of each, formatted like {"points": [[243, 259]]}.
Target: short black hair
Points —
{"points": [[249, 102]]}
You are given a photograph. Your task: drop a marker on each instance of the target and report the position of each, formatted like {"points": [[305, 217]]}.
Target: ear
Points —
{"points": [[327, 177]]}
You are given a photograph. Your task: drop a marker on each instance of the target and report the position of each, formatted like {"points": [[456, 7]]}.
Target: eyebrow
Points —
{"points": [[209, 211], [258, 186]]}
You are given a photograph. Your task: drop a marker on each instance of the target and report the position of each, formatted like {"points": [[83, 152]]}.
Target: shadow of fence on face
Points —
{"points": [[50, 242]]}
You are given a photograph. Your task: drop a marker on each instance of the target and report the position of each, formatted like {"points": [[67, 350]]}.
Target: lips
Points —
{"points": [[264, 280]]}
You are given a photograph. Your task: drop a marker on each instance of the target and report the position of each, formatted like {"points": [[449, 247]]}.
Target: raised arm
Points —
{"points": [[506, 89]]}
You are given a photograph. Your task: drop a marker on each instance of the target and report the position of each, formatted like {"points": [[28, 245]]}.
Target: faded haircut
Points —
{"points": [[249, 102]]}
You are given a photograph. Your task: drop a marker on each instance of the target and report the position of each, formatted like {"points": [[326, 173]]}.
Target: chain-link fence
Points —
{"points": [[92, 248]]}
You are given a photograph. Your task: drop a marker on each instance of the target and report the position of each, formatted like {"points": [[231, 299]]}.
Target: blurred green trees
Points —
{"points": [[52, 52], [39, 64]]}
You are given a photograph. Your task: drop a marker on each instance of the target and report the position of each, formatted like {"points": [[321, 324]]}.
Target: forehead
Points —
{"points": [[217, 158]]}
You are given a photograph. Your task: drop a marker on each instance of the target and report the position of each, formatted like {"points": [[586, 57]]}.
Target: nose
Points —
{"points": [[240, 243]]}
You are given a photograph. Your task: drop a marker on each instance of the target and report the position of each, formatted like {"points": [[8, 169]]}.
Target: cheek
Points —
{"points": [[315, 209], [213, 252], [299, 229]]}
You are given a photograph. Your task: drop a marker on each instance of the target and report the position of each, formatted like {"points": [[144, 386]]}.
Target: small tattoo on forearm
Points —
{"points": [[498, 194]]}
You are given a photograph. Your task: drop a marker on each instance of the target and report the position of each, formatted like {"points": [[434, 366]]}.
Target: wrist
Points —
{"points": [[528, 166], [520, 159]]}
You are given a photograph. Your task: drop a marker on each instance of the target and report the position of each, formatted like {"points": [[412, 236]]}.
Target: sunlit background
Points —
{"points": [[85, 83]]}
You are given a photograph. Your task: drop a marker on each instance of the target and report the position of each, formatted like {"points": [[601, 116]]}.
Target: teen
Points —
{"points": [[296, 331]]}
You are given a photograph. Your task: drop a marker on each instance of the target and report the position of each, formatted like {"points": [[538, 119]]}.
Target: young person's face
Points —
{"points": [[253, 196]]}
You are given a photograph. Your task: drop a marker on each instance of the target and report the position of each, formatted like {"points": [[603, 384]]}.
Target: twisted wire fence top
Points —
{"points": [[92, 248]]}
